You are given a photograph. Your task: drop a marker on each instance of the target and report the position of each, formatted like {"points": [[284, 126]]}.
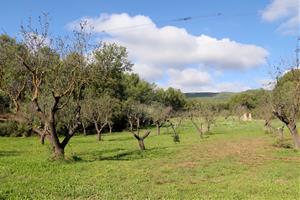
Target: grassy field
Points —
{"points": [[236, 161]]}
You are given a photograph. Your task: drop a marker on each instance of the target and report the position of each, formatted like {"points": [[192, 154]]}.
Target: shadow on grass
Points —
{"points": [[128, 155], [119, 154], [138, 154], [10, 153], [119, 139], [214, 132], [95, 153]]}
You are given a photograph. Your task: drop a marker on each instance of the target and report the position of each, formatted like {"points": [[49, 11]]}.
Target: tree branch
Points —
{"points": [[146, 135], [135, 135], [72, 130], [280, 115]]}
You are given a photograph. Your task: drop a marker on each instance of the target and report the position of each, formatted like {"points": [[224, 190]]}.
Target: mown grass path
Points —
{"points": [[236, 161]]}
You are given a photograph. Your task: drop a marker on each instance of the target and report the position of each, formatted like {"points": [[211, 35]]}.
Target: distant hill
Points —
{"points": [[201, 94], [210, 95]]}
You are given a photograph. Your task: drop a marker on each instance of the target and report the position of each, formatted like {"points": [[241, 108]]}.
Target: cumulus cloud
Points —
{"points": [[197, 80], [148, 72], [211, 87], [188, 77], [171, 51], [286, 11], [173, 46], [231, 87]]}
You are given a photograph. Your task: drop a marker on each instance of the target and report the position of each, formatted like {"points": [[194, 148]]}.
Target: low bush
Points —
{"points": [[14, 129]]}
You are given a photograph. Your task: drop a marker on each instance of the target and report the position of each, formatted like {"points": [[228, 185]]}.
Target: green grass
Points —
{"points": [[236, 161]]}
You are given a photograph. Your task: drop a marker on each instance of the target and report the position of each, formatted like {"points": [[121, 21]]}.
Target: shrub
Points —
{"points": [[14, 129]]}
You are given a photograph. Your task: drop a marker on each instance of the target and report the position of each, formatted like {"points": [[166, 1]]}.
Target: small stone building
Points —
{"points": [[247, 116]]}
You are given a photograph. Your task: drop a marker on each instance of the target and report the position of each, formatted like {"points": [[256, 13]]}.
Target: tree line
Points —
{"points": [[56, 87]]}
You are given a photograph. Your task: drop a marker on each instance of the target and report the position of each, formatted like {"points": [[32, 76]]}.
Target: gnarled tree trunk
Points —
{"points": [[280, 133], [293, 129], [199, 129], [268, 126], [176, 136], [141, 139], [99, 138], [110, 127], [59, 152], [291, 124], [141, 144], [158, 128], [59, 147], [84, 128], [99, 130], [42, 138], [208, 127]]}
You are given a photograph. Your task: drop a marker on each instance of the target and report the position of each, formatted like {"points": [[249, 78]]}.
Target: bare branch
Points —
{"points": [[146, 135]]}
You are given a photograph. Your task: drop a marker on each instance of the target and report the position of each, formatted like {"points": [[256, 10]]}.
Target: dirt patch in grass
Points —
{"points": [[246, 151], [187, 164]]}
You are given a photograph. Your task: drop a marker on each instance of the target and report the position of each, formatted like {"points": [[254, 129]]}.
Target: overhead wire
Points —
{"points": [[158, 22], [187, 19]]}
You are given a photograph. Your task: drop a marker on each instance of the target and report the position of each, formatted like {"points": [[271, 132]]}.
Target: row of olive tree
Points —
{"points": [[282, 102], [54, 86], [202, 115]]}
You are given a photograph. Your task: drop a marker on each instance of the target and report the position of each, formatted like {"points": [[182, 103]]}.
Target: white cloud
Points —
{"points": [[286, 10], [280, 8], [148, 72], [172, 46], [188, 77], [172, 52], [290, 27], [231, 87], [212, 87], [197, 80]]}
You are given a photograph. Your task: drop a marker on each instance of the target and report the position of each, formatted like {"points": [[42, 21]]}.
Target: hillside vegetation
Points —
{"points": [[211, 95]]}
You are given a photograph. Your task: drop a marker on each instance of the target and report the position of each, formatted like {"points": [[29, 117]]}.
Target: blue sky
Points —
{"points": [[229, 52]]}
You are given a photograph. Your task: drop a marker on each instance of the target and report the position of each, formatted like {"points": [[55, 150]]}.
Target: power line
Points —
{"points": [[159, 22], [213, 16]]}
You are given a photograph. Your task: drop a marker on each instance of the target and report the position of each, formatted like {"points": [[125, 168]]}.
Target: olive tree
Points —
{"points": [[209, 113], [45, 76], [16, 80], [193, 113], [202, 115], [99, 112], [197, 120], [286, 102], [159, 114], [137, 114], [175, 121], [264, 111]]}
